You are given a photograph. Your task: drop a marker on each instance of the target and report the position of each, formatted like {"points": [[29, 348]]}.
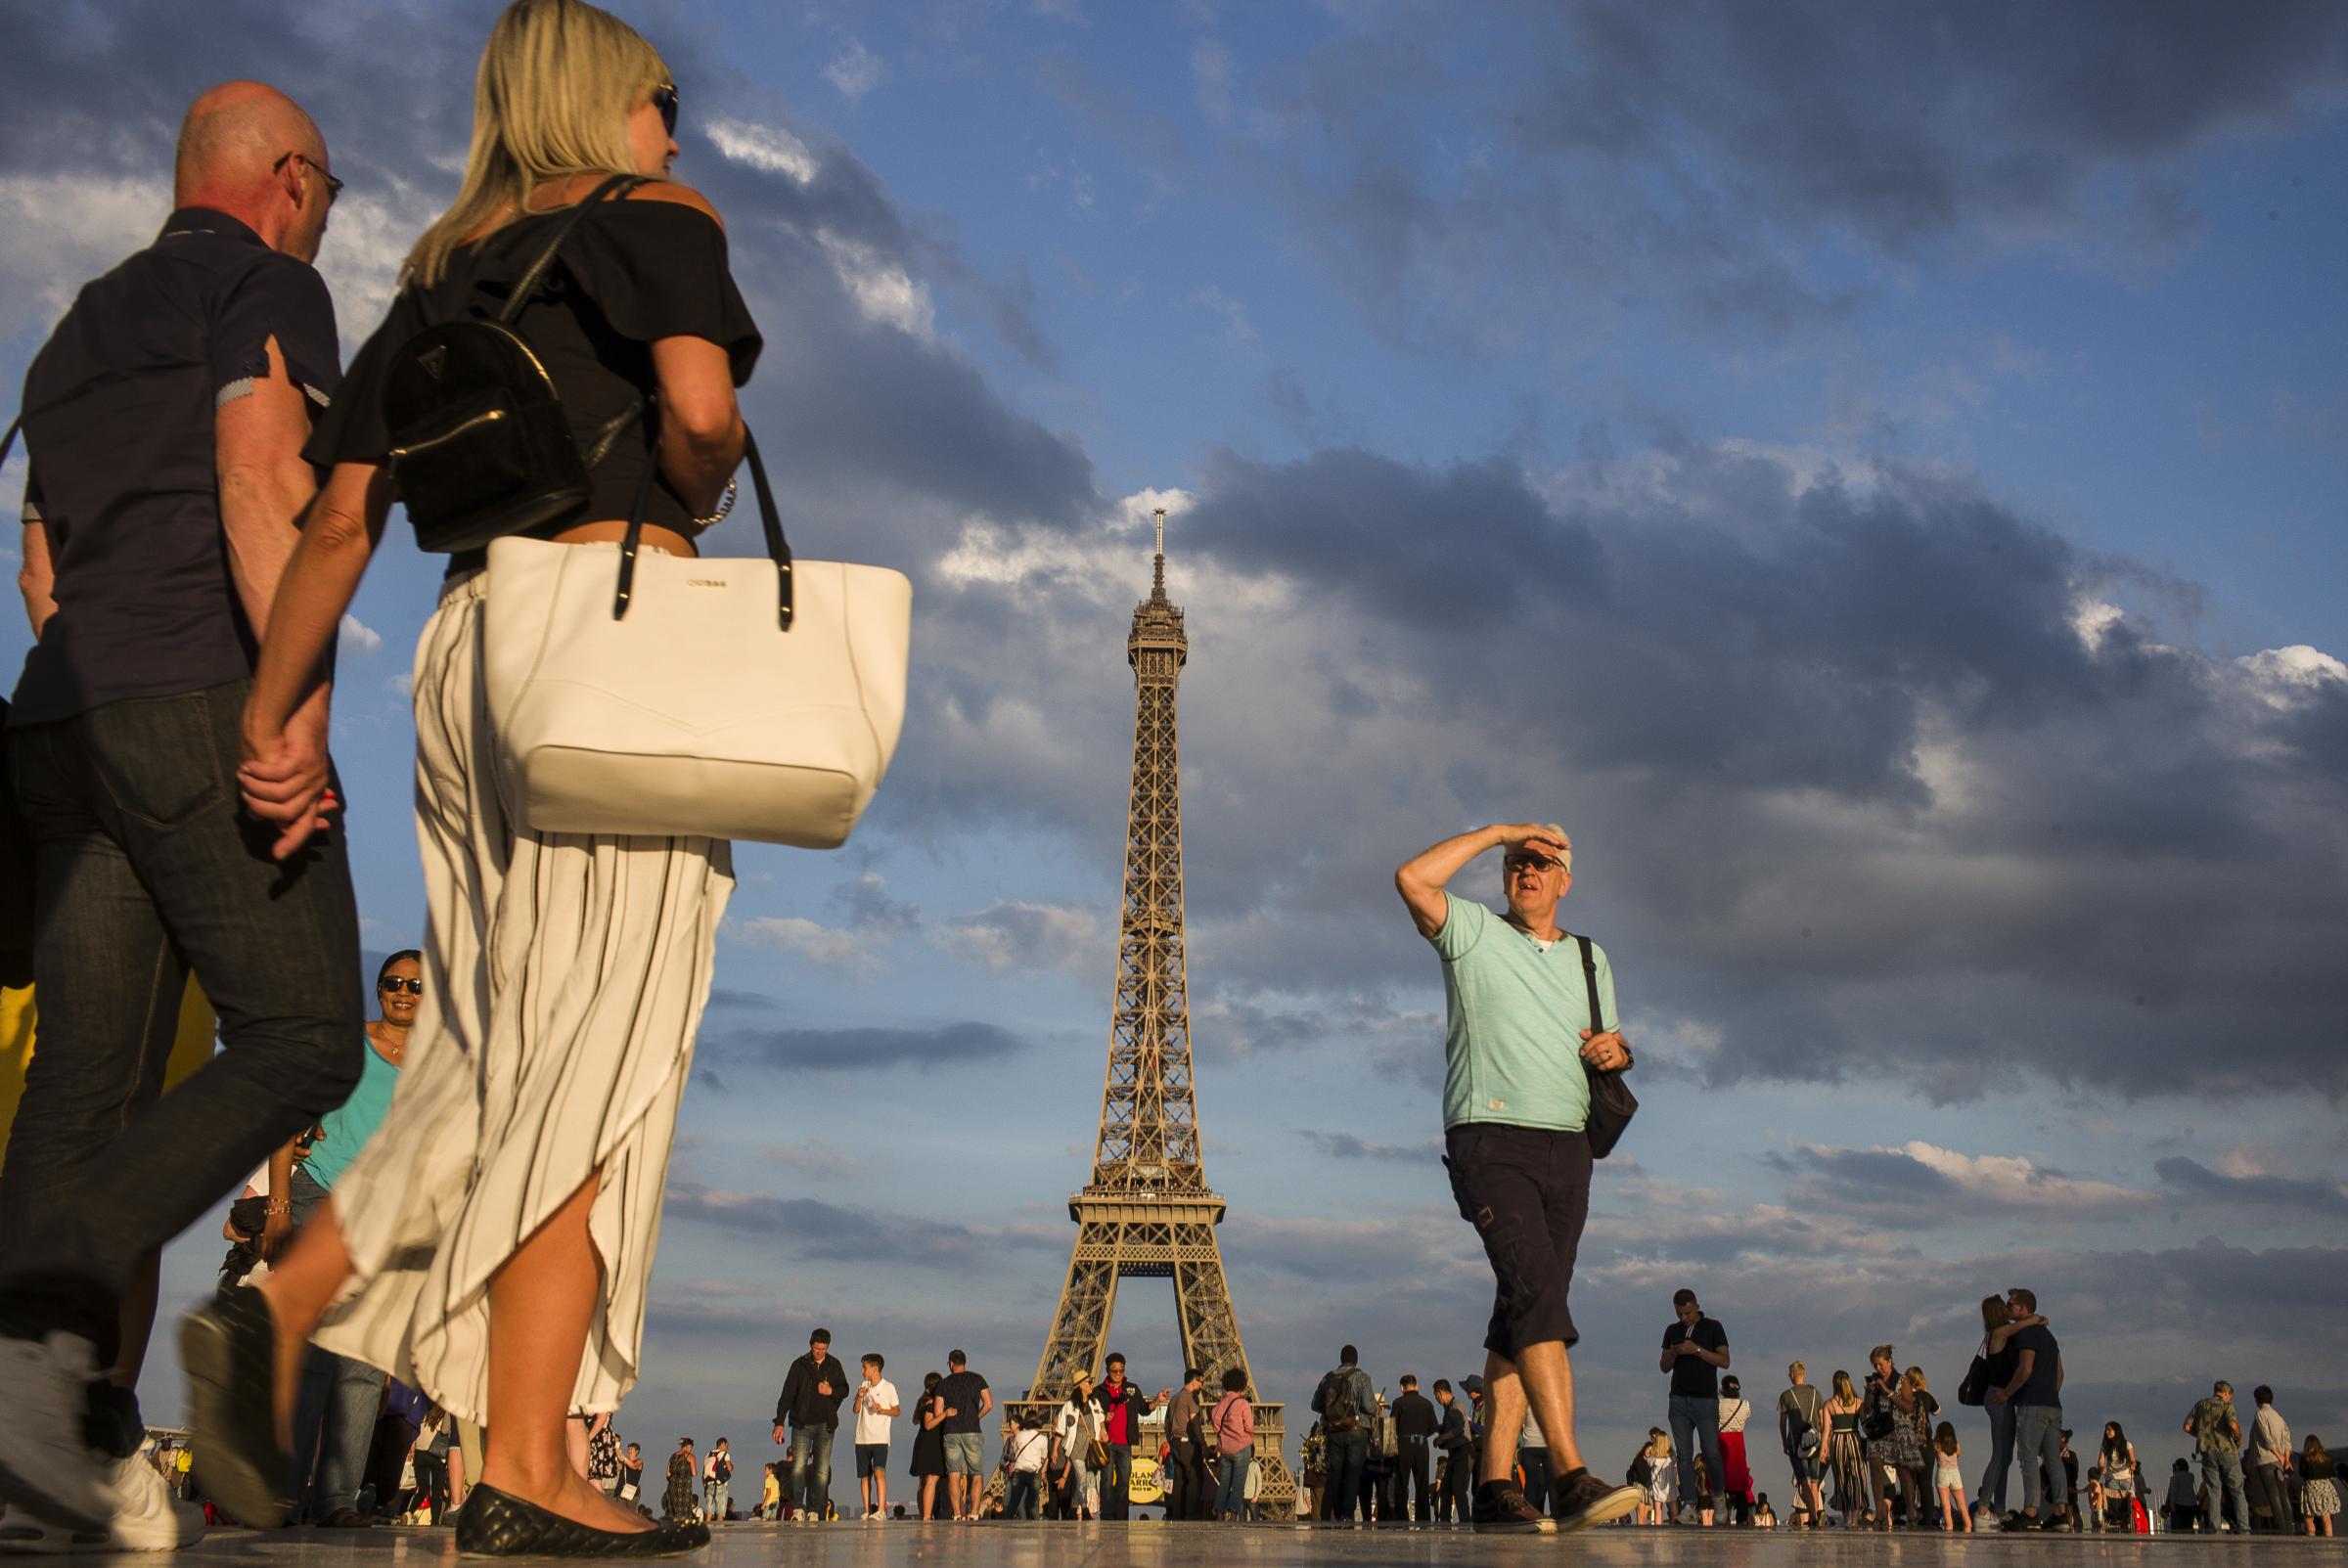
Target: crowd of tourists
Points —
{"points": [[1880, 1453]]}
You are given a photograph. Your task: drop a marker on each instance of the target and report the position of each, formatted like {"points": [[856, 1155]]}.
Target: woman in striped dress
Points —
{"points": [[493, 1244]]}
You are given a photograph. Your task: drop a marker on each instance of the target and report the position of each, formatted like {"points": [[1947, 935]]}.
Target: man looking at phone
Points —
{"points": [[1518, 1046]]}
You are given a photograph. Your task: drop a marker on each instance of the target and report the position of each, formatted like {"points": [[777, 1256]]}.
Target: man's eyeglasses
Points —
{"points": [[333, 186], [397, 983], [665, 99]]}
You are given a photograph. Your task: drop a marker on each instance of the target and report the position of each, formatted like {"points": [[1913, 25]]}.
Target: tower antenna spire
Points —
{"points": [[1158, 563]]}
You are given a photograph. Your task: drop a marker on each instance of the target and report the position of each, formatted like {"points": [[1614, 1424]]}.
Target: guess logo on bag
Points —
{"points": [[704, 582]]}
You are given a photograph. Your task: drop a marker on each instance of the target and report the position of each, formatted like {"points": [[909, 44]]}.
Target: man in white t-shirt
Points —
{"points": [[876, 1406]]}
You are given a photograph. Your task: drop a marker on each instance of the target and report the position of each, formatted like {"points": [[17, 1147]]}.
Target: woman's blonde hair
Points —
{"points": [[1842, 1386], [557, 81], [1915, 1381], [1658, 1440]]}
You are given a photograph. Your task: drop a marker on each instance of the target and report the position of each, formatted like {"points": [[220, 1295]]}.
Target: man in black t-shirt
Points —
{"points": [[2035, 1391], [163, 422], [1696, 1350], [964, 1394]]}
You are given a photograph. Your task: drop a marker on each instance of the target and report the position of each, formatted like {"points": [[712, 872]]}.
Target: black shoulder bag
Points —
{"points": [[1975, 1387], [1612, 1103], [480, 447]]}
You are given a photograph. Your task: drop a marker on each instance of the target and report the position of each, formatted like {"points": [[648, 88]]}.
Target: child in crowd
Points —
{"points": [[1948, 1480], [1662, 1485]]}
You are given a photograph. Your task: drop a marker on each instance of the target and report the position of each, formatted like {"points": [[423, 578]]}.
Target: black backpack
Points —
{"points": [[1338, 1412], [480, 447]]}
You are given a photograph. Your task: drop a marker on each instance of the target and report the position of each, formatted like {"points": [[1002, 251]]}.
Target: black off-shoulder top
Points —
{"points": [[630, 273]]}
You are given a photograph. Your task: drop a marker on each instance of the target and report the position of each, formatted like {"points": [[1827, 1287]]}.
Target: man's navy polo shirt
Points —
{"points": [[118, 423]]}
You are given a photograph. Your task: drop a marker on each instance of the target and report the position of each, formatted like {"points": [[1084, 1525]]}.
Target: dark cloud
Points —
{"points": [[1347, 1147], [2302, 1194], [819, 1230], [870, 425], [861, 1050], [1861, 766], [863, 902], [1739, 164]]}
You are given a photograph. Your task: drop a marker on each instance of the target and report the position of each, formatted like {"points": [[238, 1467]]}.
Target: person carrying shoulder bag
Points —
{"points": [[457, 1247]]}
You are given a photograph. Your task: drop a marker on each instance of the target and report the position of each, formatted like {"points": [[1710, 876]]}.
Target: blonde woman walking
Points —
{"points": [[493, 1244]]}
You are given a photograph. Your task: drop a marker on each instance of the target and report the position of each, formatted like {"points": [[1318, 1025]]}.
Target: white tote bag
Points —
{"points": [[648, 694]]}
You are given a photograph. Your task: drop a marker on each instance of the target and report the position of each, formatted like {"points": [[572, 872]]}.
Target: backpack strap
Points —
{"points": [[527, 284]]}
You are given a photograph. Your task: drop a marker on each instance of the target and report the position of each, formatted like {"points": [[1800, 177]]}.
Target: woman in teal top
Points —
{"points": [[336, 1409]]}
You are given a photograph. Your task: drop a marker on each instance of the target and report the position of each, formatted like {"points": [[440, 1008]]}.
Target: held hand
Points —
{"points": [[1996, 1396], [780, 1439], [283, 779], [276, 1231], [1605, 1052], [823, 1388]]}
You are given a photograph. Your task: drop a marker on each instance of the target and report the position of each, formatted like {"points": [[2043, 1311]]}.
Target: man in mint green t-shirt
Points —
{"points": [[1519, 1045]]}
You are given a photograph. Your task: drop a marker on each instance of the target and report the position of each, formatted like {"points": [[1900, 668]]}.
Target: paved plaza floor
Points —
{"points": [[1208, 1545]]}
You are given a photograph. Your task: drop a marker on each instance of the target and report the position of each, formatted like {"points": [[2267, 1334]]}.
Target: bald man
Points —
{"points": [[165, 419]]}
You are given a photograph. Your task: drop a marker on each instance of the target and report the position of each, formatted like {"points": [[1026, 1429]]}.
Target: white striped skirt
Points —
{"points": [[565, 976]]}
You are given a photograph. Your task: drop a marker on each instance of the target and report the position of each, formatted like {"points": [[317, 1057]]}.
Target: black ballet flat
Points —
{"points": [[228, 1348], [499, 1524]]}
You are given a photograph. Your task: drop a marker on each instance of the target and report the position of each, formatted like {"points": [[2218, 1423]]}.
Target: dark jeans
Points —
{"points": [[1696, 1429], [1414, 1458], [2265, 1491], [1535, 1462], [1230, 1486], [1348, 1452], [336, 1409], [1019, 1503], [1116, 1482], [2001, 1457], [811, 1468], [1459, 1476], [1184, 1499], [146, 867]]}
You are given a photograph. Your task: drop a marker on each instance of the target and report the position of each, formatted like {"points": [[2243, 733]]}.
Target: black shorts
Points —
{"points": [[1526, 1190]]}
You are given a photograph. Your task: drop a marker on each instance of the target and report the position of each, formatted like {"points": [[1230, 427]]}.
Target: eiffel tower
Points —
{"points": [[1147, 1212]]}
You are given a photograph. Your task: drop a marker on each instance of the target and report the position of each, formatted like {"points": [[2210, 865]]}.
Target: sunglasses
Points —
{"points": [[1541, 863], [395, 983], [333, 186], [665, 99]]}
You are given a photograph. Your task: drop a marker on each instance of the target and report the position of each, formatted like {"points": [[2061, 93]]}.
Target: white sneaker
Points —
{"points": [[146, 1517], [44, 1386]]}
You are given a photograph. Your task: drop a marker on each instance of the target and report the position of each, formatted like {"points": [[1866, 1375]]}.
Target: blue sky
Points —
{"points": [[1874, 477]]}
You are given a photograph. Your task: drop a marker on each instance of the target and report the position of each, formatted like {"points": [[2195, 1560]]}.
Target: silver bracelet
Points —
{"points": [[725, 505]]}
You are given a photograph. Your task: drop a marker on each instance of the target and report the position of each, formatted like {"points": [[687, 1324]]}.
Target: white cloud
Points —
{"points": [[881, 285], [827, 946], [855, 70], [2013, 1182], [764, 147], [1012, 935], [2283, 676], [360, 637], [110, 217]]}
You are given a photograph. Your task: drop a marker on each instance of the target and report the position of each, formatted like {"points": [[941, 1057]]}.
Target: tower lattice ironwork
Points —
{"points": [[1147, 1211]]}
